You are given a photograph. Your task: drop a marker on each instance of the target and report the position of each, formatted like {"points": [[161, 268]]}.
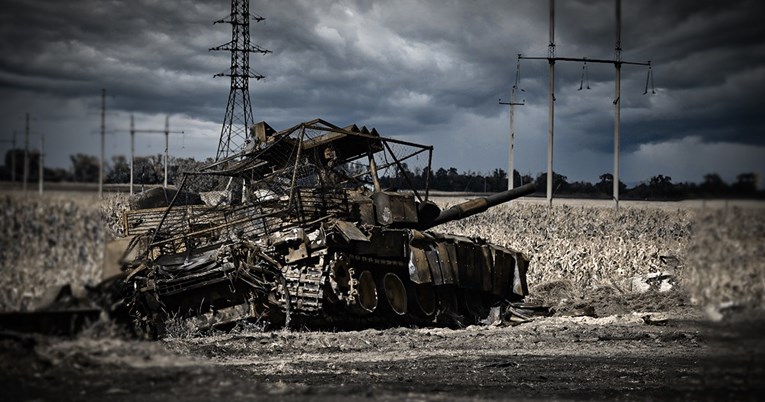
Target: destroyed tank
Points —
{"points": [[298, 230]]}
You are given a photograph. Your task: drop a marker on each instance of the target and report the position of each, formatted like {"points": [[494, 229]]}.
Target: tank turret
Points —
{"points": [[478, 205]]}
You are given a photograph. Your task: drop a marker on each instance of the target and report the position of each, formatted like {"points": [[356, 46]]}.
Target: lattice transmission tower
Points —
{"points": [[238, 117]]}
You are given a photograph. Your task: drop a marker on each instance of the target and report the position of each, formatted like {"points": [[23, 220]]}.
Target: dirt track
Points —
{"points": [[675, 354]]}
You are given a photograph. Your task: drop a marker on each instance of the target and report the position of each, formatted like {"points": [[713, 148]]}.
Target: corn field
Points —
{"points": [[58, 239], [47, 241], [584, 245]]}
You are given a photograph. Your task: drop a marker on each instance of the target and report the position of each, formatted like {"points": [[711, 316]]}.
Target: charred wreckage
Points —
{"points": [[298, 229]]}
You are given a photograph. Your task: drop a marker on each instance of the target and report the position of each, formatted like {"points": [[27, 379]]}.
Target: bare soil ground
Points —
{"points": [[652, 346]]}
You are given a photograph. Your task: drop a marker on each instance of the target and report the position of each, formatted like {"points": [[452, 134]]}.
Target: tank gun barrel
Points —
{"points": [[478, 205]]}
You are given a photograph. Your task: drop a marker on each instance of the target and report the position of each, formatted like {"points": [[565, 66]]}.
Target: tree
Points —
{"points": [[581, 188], [403, 176], [559, 185], [428, 177], [441, 181], [195, 183], [606, 184], [661, 186], [497, 181], [14, 163], [148, 169], [746, 184], [520, 180], [713, 185], [56, 174], [119, 172], [85, 168]]}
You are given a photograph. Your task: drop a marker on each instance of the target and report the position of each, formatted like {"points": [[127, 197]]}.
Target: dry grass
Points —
{"points": [[46, 241], [726, 258], [721, 254], [58, 239], [586, 246], [112, 207]]}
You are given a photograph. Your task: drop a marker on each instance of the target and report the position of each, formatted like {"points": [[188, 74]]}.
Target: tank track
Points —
{"points": [[311, 287], [304, 288]]}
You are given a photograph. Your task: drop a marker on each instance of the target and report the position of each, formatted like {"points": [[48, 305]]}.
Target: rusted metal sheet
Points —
{"points": [[350, 232], [394, 208], [419, 270], [470, 265], [504, 265], [520, 287], [434, 266], [451, 250], [386, 243], [487, 268], [447, 265], [297, 253]]}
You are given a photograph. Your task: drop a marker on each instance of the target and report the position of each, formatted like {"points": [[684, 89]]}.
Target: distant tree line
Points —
{"points": [[84, 168], [659, 187], [150, 170]]}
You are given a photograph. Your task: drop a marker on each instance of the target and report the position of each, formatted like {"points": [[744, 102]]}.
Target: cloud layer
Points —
{"points": [[429, 71]]}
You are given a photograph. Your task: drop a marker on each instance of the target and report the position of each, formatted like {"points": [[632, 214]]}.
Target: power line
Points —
{"points": [[617, 62], [166, 132], [41, 164], [103, 140], [511, 140], [25, 174], [235, 130]]}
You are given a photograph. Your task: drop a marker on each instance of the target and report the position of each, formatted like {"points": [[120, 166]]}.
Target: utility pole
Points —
{"points": [[551, 104], [617, 99], [236, 123], [13, 160], [165, 156], [617, 62], [41, 164], [26, 154], [132, 151], [103, 134], [167, 135], [511, 140]]}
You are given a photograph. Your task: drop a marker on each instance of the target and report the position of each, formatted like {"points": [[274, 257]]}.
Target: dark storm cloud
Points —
{"points": [[411, 68], [143, 51], [709, 60]]}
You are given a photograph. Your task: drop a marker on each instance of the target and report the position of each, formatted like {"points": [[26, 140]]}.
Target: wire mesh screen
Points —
{"points": [[287, 178]]}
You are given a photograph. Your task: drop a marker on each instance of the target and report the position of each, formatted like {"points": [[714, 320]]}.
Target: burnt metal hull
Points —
{"points": [[297, 229], [386, 277]]}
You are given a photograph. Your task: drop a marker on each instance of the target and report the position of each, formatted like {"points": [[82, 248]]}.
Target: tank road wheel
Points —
{"points": [[357, 292], [395, 293], [366, 293], [422, 300], [341, 281]]}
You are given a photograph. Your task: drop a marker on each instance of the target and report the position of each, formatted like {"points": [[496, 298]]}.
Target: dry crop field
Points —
{"points": [[715, 248], [699, 340]]}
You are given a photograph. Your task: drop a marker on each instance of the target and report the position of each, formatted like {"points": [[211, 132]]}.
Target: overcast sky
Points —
{"points": [[425, 71]]}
